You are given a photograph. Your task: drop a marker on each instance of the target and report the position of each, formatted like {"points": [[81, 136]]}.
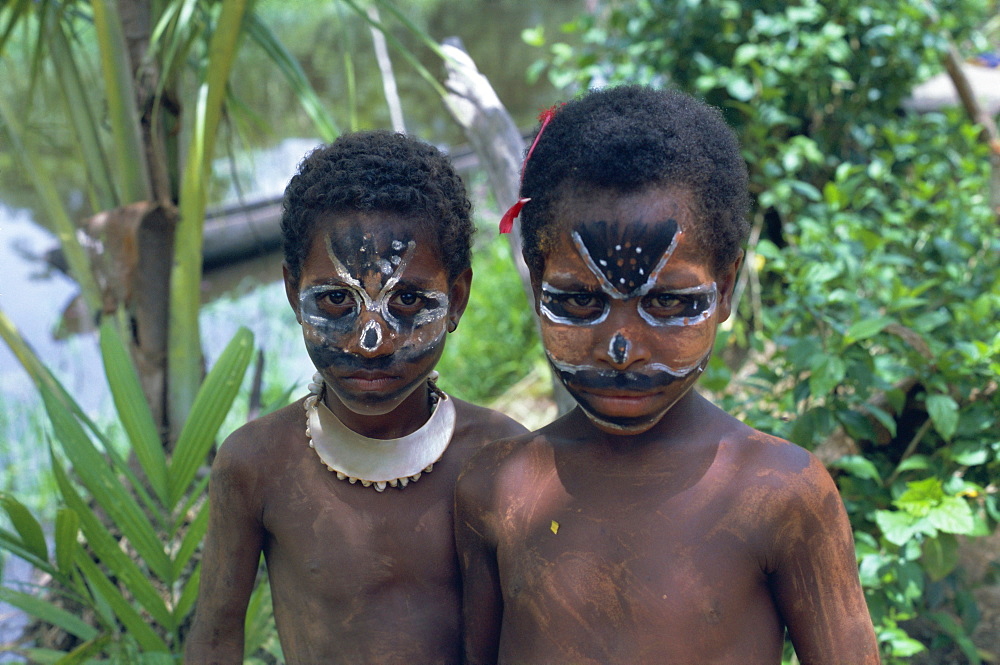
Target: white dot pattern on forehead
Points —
{"points": [[614, 253]]}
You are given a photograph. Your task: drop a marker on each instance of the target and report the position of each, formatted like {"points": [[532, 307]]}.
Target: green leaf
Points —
{"points": [[66, 532], [106, 488], [884, 417], [259, 622], [897, 526], [208, 411], [87, 128], [185, 277], [827, 373], [119, 95], [953, 629], [130, 618], [188, 595], [11, 542], [865, 328], [944, 414], [952, 515], [110, 553], [914, 463], [42, 609], [56, 213], [133, 410], [296, 77], [84, 653], [193, 537], [26, 525], [920, 496], [858, 466], [940, 556]]}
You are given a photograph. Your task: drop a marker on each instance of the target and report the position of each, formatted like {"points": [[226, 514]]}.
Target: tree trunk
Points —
{"points": [[140, 236], [495, 138]]}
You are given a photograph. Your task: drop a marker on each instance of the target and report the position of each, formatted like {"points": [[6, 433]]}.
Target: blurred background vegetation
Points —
{"points": [[868, 302]]}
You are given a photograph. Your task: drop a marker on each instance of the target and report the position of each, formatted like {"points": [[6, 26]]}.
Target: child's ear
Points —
{"points": [[291, 291], [458, 298], [726, 281]]}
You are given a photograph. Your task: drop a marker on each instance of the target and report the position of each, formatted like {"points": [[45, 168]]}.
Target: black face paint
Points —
{"points": [[626, 256], [618, 350], [610, 380], [330, 357]]}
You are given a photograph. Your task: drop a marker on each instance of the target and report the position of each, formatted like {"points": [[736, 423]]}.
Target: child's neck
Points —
{"points": [[405, 419]]}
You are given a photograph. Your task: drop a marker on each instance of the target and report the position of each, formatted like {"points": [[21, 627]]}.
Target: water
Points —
{"points": [[35, 297]]}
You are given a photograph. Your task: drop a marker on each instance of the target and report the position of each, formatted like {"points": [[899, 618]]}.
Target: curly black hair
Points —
{"points": [[630, 137], [378, 171]]}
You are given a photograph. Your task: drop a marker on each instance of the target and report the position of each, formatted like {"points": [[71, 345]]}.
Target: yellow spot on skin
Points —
{"points": [[554, 526]]}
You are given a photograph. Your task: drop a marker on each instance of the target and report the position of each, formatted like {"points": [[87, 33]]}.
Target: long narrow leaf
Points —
{"points": [[26, 526], [11, 542], [106, 488], [259, 618], [41, 376], [208, 411], [130, 618], [86, 127], [191, 540], [107, 550], [84, 653], [132, 169], [133, 410], [289, 66], [17, 11], [196, 494], [185, 602], [62, 224], [402, 50], [33, 366], [413, 28], [67, 530], [46, 611], [185, 278]]}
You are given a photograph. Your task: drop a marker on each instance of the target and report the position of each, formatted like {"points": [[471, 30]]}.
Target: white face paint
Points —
{"points": [[628, 305], [384, 320]]}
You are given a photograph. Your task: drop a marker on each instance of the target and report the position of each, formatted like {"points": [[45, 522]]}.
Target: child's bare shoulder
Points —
{"points": [[478, 425], [260, 444], [774, 476]]}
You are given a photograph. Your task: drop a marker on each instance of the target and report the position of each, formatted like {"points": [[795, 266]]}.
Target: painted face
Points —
{"points": [[374, 303], [628, 305]]}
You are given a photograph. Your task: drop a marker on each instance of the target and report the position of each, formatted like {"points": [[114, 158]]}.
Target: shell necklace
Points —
{"points": [[377, 462]]}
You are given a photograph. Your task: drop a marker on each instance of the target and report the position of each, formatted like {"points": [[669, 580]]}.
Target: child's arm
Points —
{"points": [[482, 606], [229, 560], [815, 580]]}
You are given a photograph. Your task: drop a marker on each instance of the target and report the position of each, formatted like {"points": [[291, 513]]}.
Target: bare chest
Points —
{"points": [[339, 541], [640, 568]]}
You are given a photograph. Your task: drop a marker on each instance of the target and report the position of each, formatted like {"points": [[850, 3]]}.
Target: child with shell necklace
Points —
{"points": [[348, 493]]}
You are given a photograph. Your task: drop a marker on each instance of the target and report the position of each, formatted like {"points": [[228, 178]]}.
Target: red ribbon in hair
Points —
{"points": [[507, 221]]}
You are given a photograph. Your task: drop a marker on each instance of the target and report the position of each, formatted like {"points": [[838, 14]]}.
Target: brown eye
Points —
{"points": [[407, 300], [667, 301], [336, 301], [583, 300]]}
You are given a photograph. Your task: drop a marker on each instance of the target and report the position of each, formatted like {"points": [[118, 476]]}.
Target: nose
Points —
{"points": [[623, 349], [373, 337]]}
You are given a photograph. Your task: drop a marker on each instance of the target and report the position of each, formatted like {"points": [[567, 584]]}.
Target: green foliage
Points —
{"points": [[869, 312], [122, 548], [496, 342]]}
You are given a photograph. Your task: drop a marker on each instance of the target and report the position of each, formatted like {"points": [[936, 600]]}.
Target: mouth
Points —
{"points": [[618, 404], [368, 380]]}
